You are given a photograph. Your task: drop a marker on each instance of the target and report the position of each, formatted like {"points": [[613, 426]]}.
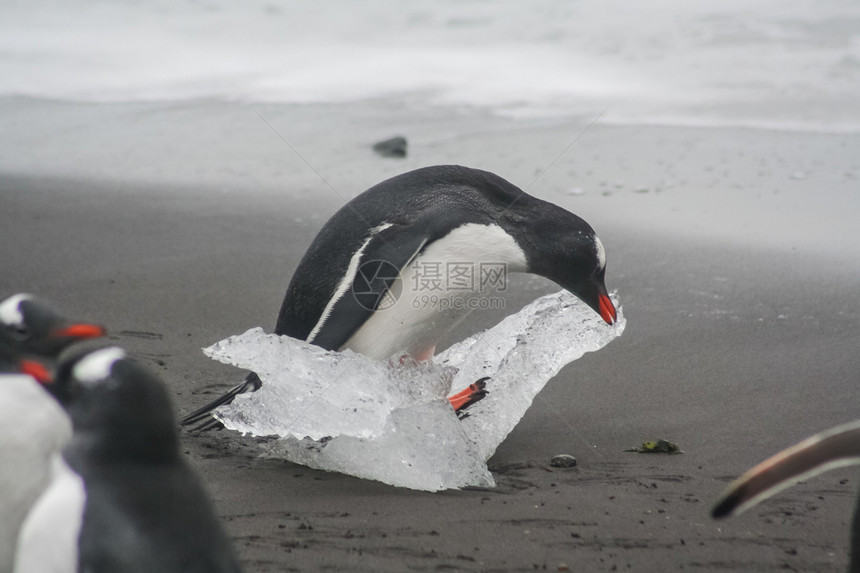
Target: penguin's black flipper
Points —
{"points": [[207, 425], [377, 266], [251, 383]]}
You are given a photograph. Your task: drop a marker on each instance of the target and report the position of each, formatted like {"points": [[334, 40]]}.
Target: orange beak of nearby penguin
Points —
{"points": [[607, 310], [80, 331], [36, 370]]}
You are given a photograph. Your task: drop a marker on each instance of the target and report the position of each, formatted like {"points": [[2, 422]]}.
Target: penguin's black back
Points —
{"points": [[157, 518], [145, 510]]}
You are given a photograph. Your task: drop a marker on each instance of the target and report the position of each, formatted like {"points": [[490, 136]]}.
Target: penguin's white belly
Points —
{"points": [[410, 326], [437, 290], [49, 536], [34, 427]]}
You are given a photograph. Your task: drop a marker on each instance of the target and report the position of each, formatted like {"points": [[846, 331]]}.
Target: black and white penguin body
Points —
{"points": [[430, 219], [121, 499], [33, 428]]}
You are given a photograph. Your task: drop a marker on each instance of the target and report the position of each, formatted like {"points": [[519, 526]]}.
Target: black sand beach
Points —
{"points": [[735, 252]]}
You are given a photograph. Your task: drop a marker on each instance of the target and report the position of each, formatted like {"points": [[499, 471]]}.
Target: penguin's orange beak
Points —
{"points": [[607, 310], [36, 370], [80, 331]]}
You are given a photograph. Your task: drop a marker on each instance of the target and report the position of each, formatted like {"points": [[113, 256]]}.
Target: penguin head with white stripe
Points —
{"points": [[563, 248], [32, 335], [30, 327], [120, 405]]}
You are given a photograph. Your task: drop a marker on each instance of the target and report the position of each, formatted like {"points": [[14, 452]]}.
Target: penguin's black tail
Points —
{"points": [[203, 417]]}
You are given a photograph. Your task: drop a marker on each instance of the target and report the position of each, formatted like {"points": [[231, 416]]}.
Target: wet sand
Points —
{"points": [[735, 252]]}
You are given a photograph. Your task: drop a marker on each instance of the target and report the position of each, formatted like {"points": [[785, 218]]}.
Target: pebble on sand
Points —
{"points": [[563, 461]]}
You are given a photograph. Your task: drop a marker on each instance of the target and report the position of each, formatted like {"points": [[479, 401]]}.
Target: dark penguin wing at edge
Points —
{"points": [[837, 447]]}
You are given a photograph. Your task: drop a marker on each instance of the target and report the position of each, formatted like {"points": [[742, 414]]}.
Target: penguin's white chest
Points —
{"points": [[465, 270], [34, 427], [49, 535]]}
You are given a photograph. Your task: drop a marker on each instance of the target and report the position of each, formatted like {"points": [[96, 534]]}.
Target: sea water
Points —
{"points": [[773, 63]]}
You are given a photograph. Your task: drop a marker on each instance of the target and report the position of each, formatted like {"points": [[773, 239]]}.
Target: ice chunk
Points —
{"points": [[341, 411], [422, 447], [520, 355], [315, 393]]}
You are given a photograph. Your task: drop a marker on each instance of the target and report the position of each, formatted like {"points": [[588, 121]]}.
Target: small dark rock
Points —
{"points": [[394, 147], [563, 461]]}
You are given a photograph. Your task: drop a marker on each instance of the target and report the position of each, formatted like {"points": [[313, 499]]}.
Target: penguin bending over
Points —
{"points": [[121, 498], [363, 283]]}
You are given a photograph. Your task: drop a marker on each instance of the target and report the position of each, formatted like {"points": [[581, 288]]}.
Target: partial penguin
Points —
{"points": [[121, 497], [32, 425], [833, 448]]}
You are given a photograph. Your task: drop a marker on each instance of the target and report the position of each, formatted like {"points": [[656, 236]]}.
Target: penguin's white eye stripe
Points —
{"points": [[96, 366], [10, 312], [601, 254]]}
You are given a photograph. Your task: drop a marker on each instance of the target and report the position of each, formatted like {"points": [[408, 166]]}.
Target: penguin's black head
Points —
{"points": [[565, 249], [121, 408], [31, 328]]}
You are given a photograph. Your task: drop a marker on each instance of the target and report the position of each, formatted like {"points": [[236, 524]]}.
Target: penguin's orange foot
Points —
{"points": [[465, 398]]}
